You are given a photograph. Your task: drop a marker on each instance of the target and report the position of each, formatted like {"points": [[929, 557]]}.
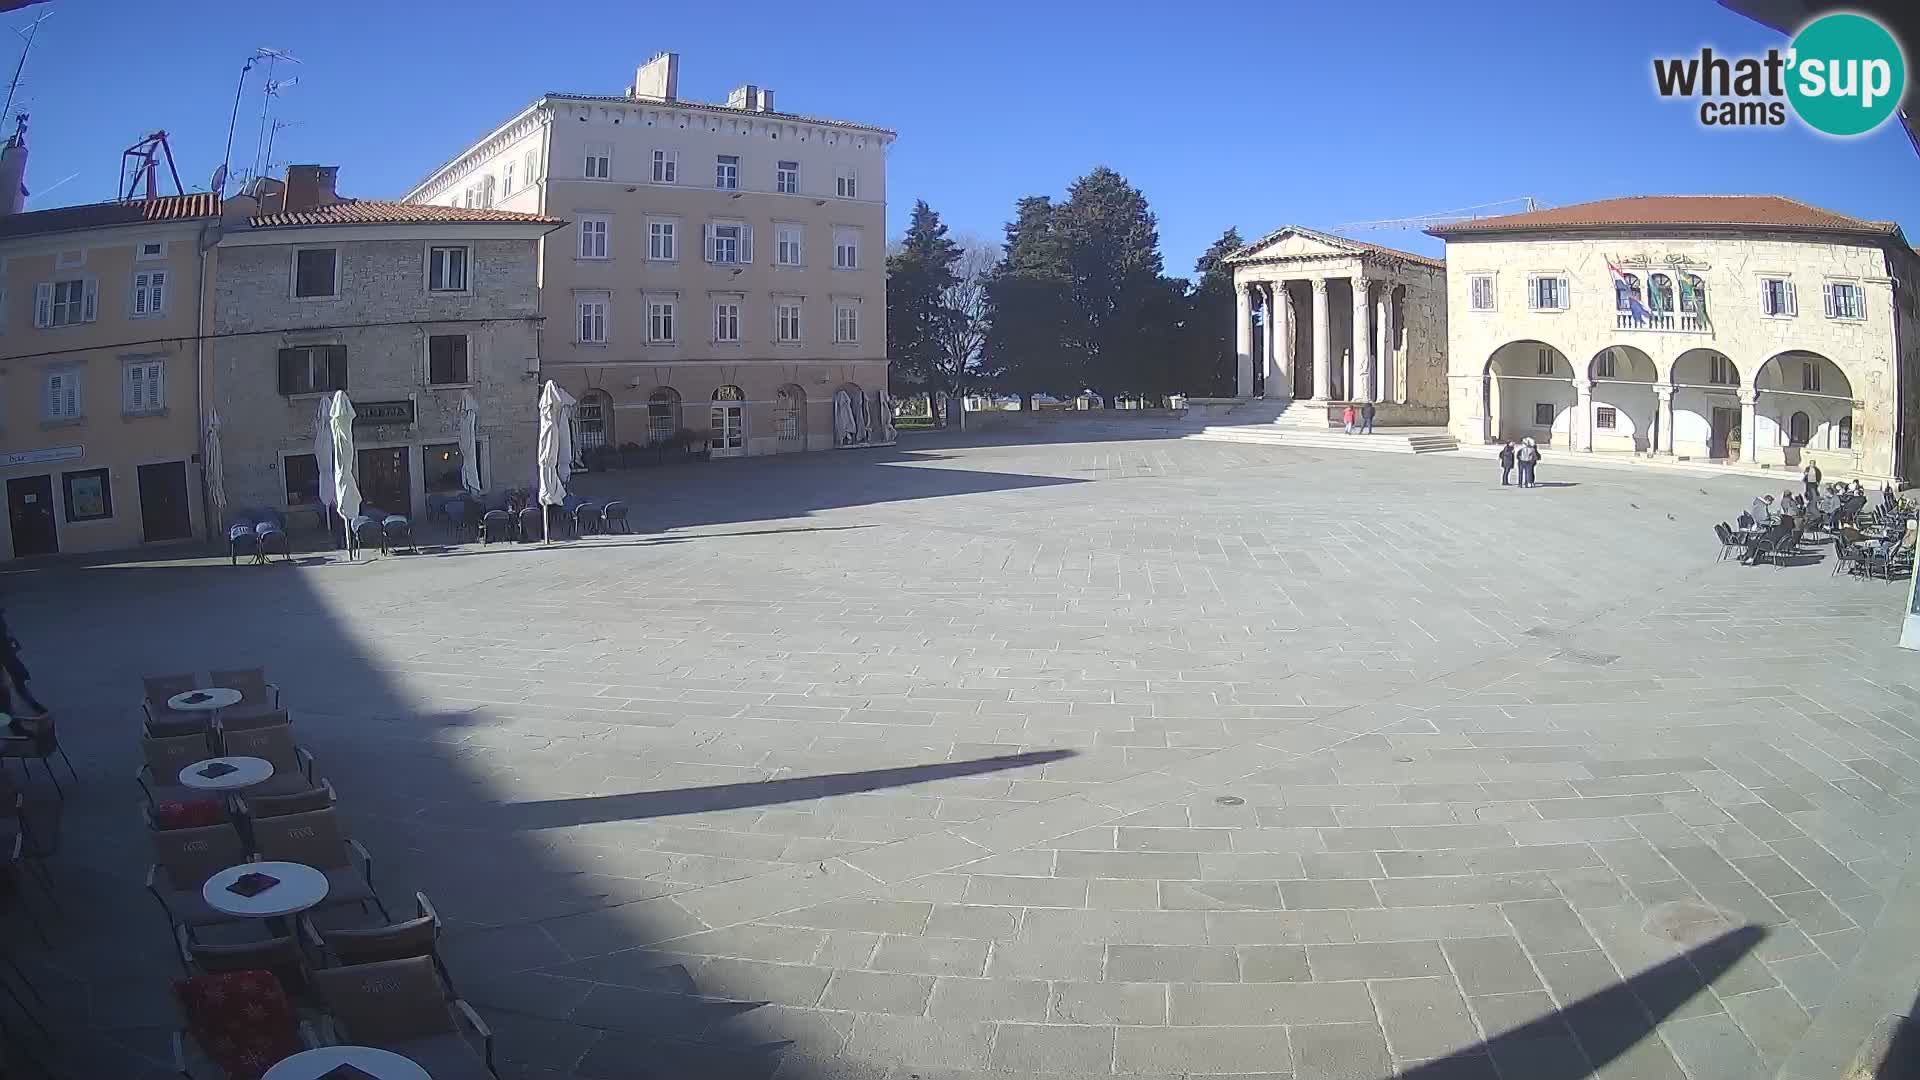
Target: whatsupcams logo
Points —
{"points": [[1842, 74]]}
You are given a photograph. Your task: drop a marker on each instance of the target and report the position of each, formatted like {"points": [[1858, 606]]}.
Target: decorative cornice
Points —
{"points": [[524, 123]]}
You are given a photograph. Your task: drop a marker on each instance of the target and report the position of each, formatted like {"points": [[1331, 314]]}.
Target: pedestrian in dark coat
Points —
{"points": [[1506, 462]]}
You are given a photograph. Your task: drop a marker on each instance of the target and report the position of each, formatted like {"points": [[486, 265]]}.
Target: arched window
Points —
{"points": [[789, 414], [1603, 364], [1660, 294], [663, 414], [729, 393], [1799, 429], [593, 419], [1843, 435], [1625, 291]]}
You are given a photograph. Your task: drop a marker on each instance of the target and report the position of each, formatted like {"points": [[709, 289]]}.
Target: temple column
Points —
{"points": [[1280, 339], [1749, 433], [1663, 419], [1243, 341], [1322, 347], [1386, 381], [1362, 388]]}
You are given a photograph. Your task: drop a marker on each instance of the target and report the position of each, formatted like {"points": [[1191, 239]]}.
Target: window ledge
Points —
{"points": [[146, 414], [161, 314], [64, 422], [309, 395], [313, 299], [455, 293], [592, 344], [663, 343], [451, 385]]}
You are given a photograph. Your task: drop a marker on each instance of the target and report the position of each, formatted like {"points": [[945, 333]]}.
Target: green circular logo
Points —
{"points": [[1846, 74]]}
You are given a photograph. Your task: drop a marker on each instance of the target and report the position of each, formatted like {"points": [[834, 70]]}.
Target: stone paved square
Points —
{"points": [[992, 757]]}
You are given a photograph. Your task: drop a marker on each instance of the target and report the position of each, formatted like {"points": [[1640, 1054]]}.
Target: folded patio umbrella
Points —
{"points": [[214, 468], [469, 443], [346, 489], [556, 448]]}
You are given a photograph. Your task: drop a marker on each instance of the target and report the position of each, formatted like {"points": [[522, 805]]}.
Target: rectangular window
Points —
{"points": [[531, 161], [660, 321], [590, 423], [1777, 298], [1547, 293], [1845, 300], [846, 182], [846, 249], [1543, 414], [726, 321], [599, 163], [63, 395], [441, 466], [786, 245], [89, 496], [593, 237], [1480, 292], [846, 323], [1605, 417], [728, 244], [1603, 365], [1721, 373], [64, 303], [153, 249], [145, 387], [447, 269], [1809, 377], [447, 360], [593, 319], [486, 193], [1543, 363], [302, 479], [506, 179], [663, 416], [149, 293], [666, 167], [726, 172], [316, 274], [786, 178], [1843, 435], [787, 323], [313, 369], [660, 241]]}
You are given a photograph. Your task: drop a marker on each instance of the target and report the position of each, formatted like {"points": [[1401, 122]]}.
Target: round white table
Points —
{"points": [[205, 699], [299, 888], [313, 1064], [247, 771]]}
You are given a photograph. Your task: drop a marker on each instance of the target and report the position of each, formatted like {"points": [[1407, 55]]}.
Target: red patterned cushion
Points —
{"points": [[189, 815], [241, 1019]]}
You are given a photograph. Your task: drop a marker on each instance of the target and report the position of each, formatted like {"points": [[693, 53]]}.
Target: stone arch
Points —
{"points": [[593, 420], [790, 418], [1795, 382], [1625, 410], [663, 414], [1527, 382], [1706, 405]]}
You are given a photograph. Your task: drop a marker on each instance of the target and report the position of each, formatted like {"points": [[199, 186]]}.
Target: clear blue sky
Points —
{"points": [[1245, 114]]}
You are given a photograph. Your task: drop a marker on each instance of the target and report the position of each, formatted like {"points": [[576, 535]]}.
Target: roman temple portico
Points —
{"points": [[1325, 320]]}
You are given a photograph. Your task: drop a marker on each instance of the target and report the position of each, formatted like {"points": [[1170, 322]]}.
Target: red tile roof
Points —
{"points": [[377, 212], [200, 204], [1681, 211]]}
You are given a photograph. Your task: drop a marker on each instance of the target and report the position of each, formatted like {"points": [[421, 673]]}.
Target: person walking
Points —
{"points": [[1366, 418], [1810, 479], [14, 671], [1347, 419], [1506, 462], [1528, 457]]}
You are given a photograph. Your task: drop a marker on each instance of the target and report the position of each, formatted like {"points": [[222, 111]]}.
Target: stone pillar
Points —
{"points": [[1322, 348], [1383, 361], [1580, 424], [1663, 418], [1749, 431], [1269, 339], [1362, 389], [1243, 341], [1279, 371]]}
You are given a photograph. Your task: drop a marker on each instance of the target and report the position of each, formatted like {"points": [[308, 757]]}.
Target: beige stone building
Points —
{"points": [[725, 270], [102, 311], [1741, 328], [1339, 321]]}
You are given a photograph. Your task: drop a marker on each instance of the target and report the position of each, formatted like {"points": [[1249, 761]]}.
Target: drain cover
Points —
{"points": [[1230, 800]]}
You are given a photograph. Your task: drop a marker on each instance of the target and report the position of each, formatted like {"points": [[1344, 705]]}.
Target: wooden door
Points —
{"points": [[30, 514], [164, 513]]}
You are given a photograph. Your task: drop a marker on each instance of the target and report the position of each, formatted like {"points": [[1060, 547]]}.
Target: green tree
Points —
{"points": [[1113, 256], [919, 273], [1029, 300], [1208, 360]]}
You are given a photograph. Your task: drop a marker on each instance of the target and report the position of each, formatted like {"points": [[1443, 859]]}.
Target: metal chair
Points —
{"points": [[272, 538], [532, 529], [614, 516], [586, 519], [399, 532], [40, 742], [496, 526]]}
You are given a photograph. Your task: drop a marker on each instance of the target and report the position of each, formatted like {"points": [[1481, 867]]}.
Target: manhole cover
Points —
{"points": [[1230, 800], [1686, 922]]}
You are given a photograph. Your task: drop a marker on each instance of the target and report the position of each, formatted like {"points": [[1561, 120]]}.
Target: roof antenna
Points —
{"points": [[33, 28], [271, 90]]}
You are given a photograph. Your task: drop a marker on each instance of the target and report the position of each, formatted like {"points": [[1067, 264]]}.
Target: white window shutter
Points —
{"points": [[89, 303], [55, 384], [746, 243], [43, 304], [707, 234], [1826, 293], [1793, 300], [1566, 293]]}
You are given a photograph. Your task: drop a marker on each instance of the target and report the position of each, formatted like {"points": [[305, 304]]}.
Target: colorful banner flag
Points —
{"points": [[1693, 297], [1623, 287]]}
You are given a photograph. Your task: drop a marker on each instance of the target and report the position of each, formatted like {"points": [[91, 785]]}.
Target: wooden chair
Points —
{"points": [[41, 742], [418, 936], [402, 1006], [315, 838], [183, 860]]}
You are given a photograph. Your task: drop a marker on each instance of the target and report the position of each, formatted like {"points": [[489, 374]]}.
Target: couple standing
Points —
{"points": [[1361, 422], [1526, 455]]}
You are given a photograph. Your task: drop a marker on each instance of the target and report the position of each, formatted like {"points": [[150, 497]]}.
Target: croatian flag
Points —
{"points": [[1623, 287]]}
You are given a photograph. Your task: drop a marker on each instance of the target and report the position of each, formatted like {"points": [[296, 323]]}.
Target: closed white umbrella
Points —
{"points": [[323, 459], [214, 468], [469, 443], [556, 449], [346, 490]]}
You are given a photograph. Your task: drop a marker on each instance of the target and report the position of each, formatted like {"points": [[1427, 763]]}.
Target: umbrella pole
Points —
{"points": [[546, 525]]}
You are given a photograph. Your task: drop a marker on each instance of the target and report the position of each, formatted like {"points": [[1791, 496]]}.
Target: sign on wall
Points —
{"points": [[370, 413], [46, 454]]}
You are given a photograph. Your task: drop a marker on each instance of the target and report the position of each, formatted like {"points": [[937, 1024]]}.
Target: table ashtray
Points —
{"points": [[346, 1072], [218, 769], [196, 698], [252, 884]]}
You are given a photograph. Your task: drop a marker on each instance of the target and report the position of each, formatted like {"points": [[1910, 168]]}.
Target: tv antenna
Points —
{"points": [[32, 30], [144, 157], [273, 58], [276, 128]]}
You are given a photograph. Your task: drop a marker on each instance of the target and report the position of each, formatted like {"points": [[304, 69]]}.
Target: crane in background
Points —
{"points": [[1520, 204]]}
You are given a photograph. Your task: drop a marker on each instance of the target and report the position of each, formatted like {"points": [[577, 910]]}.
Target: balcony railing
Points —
{"points": [[1684, 323]]}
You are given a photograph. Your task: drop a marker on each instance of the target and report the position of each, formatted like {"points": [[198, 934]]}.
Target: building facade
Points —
{"points": [[725, 270], [410, 309], [1339, 321], [1750, 329], [102, 309]]}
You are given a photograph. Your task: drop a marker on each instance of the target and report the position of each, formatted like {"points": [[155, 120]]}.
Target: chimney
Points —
{"points": [[13, 170], [310, 187], [751, 98], [658, 78]]}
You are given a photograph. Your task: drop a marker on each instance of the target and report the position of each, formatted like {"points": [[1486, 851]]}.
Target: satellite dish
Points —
{"points": [[218, 185]]}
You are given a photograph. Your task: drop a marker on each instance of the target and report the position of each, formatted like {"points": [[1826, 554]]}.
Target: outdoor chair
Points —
{"points": [[242, 540], [272, 539], [183, 861], [459, 516], [402, 1006], [437, 504], [496, 526], [279, 955], [418, 936], [314, 838], [1728, 542], [367, 533], [239, 1021], [586, 519], [532, 529], [256, 693], [615, 518], [39, 743], [162, 759], [1847, 556], [191, 814], [161, 720], [273, 743], [1884, 560], [399, 532], [300, 802]]}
